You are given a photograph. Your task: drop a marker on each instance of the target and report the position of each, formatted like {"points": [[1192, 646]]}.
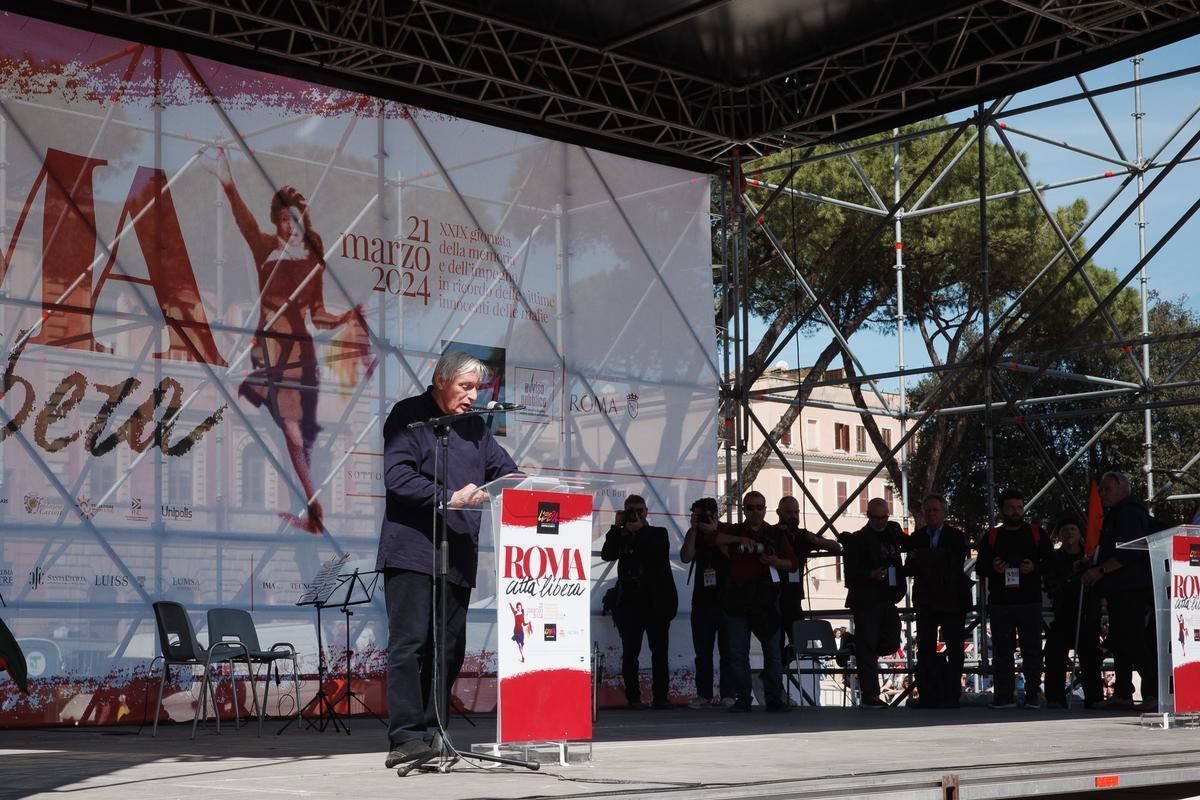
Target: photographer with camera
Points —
{"points": [[757, 553], [646, 597], [874, 584], [709, 573]]}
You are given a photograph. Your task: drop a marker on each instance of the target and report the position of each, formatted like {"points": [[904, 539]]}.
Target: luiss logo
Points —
{"points": [[71, 283]]}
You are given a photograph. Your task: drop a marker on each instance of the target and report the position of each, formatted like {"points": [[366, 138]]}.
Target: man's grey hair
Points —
{"points": [[1119, 477], [937, 497], [455, 362]]}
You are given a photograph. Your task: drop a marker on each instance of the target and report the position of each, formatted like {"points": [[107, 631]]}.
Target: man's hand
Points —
{"points": [[999, 565], [879, 573], [746, 542], [702, 524], [468, 496], [1026, 567], [1092, 576]]}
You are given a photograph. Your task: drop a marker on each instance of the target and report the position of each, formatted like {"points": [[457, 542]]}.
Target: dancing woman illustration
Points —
{"points": [[520, 628], [290, 265], [1182, 636]]}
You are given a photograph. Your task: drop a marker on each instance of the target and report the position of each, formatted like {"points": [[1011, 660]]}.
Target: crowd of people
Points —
{"points": [[747, 581]]}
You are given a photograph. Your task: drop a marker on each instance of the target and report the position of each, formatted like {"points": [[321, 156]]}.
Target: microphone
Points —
{"points": [[496, 405]]}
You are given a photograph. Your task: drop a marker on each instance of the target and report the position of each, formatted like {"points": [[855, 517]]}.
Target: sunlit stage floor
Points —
{"points": [[809, 753]]}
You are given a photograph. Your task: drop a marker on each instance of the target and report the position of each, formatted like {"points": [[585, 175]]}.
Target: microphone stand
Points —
{"points": [[447, 753]]}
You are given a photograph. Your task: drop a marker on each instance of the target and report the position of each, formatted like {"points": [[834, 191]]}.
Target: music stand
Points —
{"points": [[359, 579], [324, 584]]}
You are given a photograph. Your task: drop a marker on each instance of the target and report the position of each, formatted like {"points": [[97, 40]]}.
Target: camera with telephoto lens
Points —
{"points": [[763, 548]]}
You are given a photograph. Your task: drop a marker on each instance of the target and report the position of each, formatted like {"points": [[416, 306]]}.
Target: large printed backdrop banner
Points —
{"points": [[215, 284]]}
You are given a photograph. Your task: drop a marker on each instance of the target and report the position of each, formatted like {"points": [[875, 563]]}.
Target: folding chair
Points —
{"points": [[813, 639], [179, 644], [236, 625]]}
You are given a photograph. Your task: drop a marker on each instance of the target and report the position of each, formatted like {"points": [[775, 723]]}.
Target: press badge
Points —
{"points": [[1012, 577], [892, 575], [710, 578]]}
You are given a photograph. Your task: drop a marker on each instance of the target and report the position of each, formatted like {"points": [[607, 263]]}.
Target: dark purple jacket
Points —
{"points": [[406, 536]]}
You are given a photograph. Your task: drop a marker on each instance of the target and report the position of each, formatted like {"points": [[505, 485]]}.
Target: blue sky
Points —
{"points": [[1165, 105]]}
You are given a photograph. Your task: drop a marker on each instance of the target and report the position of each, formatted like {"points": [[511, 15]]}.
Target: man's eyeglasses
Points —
{"points": [[755, 507], [877, 516]]}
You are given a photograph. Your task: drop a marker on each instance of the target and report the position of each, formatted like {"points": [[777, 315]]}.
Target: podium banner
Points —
{"points": [[543, 613], [1185, 622]]}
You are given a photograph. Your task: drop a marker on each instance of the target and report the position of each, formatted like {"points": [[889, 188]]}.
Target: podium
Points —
{"points": [[542, 527], [1175, 572]]}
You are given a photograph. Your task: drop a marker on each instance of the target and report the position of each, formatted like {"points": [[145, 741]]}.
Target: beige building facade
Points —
{"points": [[829, 450]]}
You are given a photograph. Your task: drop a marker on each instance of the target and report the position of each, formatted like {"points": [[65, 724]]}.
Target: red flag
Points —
{"points": [[1094, 521]]}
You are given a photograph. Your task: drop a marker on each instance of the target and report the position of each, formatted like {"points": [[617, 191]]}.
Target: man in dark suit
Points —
{"points": [[406, 538], [646, 597], [874, 584], [941, 594]]}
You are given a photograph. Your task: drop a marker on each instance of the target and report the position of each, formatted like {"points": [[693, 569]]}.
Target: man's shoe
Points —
{"points": [[1032, 704], [662, 705], [740, 706], [1002, 704], [699, 702], [637, 705], [727, 702], [1149, 703], [412, 750], [778, 707], [874, 702]]}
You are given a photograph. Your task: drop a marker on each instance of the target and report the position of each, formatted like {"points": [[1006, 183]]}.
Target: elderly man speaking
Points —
{"points": [[406, 552]]}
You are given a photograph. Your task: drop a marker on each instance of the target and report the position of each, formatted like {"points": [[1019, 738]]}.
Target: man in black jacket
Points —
{"points": [[1011, 559], [1122, 578], [709, 574], [646, 597], [941, 594], [874, 578]]}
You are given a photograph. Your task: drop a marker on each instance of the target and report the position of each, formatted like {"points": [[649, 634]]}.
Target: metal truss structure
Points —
{"points": [[1001, 354], [660, 81]]}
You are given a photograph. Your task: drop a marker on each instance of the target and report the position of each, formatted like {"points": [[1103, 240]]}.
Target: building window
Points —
{"points": [[863, 499], [886, 433], [841, 437], [254, 478], [890, 497], [812, 436], [814, 488], [786, 486], [101, 478], [179, 480], [842, 490], [860, 439]]}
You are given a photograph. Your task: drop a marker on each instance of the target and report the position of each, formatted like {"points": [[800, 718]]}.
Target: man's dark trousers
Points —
{"points": [[871, 625], [1133, 637], [409, 595], [939, 675], [631, 629], [1023, 620]]}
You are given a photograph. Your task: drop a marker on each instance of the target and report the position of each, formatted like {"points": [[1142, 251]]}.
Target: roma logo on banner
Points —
{"points": [[544, 611], [1185, 621]]}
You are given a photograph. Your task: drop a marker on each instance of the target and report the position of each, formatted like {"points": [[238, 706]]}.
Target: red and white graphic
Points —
{"points": [[1185, 619], [544, 667]]}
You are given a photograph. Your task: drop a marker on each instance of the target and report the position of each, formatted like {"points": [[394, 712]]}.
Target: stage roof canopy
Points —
{"points": [[676, 81]]}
